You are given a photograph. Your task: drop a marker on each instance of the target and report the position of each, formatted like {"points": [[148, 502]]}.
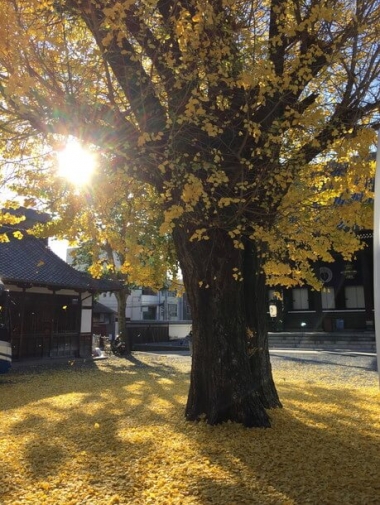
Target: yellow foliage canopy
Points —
{"points": [[238, 113]]}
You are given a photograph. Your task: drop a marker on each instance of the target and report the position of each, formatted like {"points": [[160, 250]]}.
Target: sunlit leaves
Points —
{"points": [[114, 433], [233, 111]]}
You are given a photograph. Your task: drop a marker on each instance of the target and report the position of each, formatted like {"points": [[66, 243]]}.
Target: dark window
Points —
{"points": [[172, 310], [148, 291], [300, 298], [149, 313]]}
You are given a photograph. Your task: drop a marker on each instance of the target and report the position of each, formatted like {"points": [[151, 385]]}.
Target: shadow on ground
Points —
{"points": [[117, 429]]}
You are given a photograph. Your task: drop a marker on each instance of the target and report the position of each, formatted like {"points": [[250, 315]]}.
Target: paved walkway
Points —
{"points": [[355, 367], [340, 365]]}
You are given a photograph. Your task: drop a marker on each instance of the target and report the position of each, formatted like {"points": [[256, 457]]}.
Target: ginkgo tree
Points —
{"points": [[116, 235], [121, 236], [249, 119]]}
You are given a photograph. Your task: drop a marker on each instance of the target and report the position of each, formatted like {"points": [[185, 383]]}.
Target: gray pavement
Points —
{"points": [[365, 360], [357, 368]]}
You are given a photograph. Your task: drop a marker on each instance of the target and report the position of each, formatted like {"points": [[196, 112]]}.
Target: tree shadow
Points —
{"points": [[40, 373], [84, 411], [322, 448], [121, 430]]}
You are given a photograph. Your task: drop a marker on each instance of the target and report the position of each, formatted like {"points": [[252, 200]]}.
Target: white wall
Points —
{"points": [[179, 330], [86, 319]]}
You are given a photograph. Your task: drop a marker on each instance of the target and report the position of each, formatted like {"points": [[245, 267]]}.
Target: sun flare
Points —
{"points": [[75, 163]]}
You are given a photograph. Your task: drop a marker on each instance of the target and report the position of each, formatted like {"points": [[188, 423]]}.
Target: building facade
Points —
{"points": [[346, 301], [145, 304]]}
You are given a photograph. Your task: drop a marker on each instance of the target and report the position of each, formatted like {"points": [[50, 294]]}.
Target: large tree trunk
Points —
{"points": [[256, 318], [222, 386], [121, 297]]}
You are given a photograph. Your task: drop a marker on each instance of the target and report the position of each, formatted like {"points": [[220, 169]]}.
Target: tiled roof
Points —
{"points": [[100, 308], [30, 261]]}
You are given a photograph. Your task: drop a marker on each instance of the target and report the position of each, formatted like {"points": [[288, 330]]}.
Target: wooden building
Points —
{"points": [[50, 302]]}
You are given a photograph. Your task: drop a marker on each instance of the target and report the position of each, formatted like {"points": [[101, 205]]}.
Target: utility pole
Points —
{"points": [[376, 253]]}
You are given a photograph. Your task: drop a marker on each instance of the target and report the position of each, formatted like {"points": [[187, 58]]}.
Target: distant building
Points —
{"points": [[345, 302], [145, 304]]}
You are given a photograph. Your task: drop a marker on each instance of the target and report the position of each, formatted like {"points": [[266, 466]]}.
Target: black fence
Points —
{"points": [[147, 333], [54, 346]]}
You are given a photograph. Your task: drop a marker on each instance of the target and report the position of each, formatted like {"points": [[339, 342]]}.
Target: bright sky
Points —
{"points": [[76, 164], [59, 247]]}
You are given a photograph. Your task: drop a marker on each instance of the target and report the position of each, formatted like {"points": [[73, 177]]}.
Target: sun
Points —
{"points": [[75, 163]]}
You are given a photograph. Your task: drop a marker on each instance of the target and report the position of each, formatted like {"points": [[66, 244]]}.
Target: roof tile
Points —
{"points": [[30, 261]]}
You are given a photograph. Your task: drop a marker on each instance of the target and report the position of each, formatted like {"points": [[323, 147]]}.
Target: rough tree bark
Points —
{"points": [[222, 386], [256, 320]]}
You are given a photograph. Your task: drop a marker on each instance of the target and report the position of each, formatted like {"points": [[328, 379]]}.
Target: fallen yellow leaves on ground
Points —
{"points": [[114, 433]]}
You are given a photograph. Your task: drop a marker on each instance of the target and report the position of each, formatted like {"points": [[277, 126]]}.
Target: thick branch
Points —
{"points": [[126, 66]]}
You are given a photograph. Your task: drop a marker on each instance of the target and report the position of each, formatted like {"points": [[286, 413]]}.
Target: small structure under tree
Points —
{"points": [[50, 302]]}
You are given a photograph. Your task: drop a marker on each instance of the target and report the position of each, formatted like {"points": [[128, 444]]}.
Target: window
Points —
{"points": [[354, 297], [149, 313], [300, 299], [328, 298], [99, 318], [172, 310], [148, 291]]}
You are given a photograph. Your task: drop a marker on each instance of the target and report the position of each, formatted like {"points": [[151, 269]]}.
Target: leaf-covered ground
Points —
{"points": [[113, 431]]}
